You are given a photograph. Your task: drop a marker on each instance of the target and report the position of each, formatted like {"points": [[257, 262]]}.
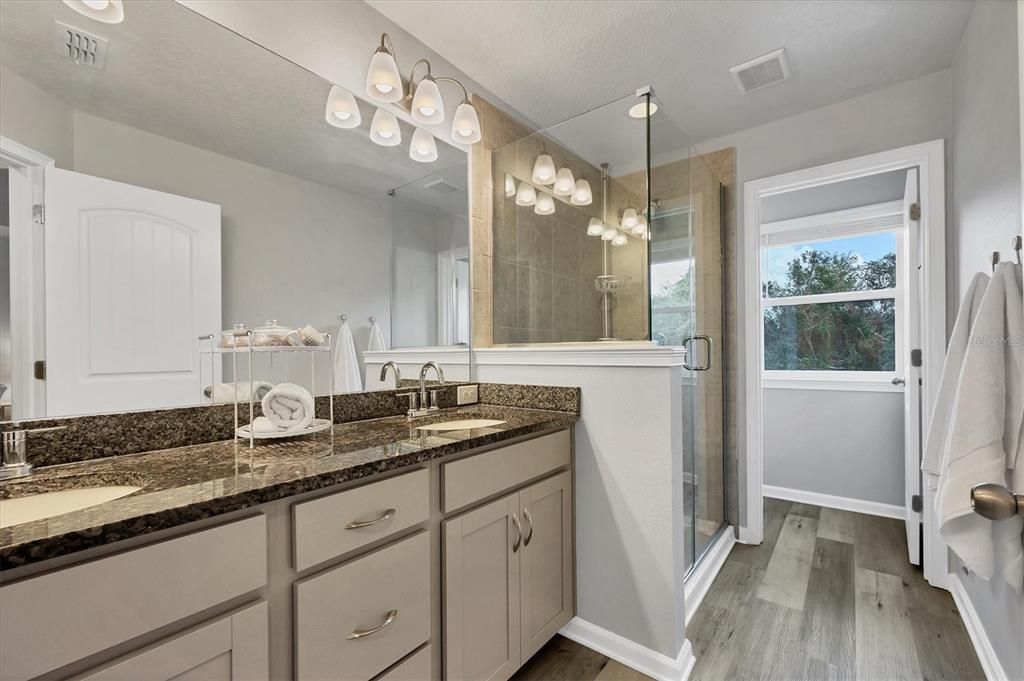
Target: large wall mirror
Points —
{"points": [[190, 181]]}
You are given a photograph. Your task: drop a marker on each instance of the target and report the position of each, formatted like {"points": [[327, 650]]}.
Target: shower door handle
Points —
{"points": [[686, 344]]}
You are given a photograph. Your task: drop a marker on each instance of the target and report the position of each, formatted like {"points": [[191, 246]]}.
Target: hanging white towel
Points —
{"points": [[376, 343], [288, 406], [938, 427], [346, 363], [985, 433]]}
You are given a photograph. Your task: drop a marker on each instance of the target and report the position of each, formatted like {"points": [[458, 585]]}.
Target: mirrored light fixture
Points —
{"points": [[545, 204], [510, 186], [629, 218], [619, 240], [595, 228], [565, 183], [427, 105], [383, 81], [526, 195], [342, 110], [640, 228], [107, 11], [423, 148], [543, 170], [384, 129], [609, 234], [582, 196]]}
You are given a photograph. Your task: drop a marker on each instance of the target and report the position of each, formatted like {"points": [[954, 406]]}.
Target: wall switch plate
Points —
{"points": [[468, 394]]}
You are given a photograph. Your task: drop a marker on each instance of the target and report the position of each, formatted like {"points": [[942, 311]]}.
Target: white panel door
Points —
{"points": [[911, 279], [133, 278]]}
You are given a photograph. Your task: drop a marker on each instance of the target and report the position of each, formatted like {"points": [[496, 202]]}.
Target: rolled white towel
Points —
{"points": [[225, 392], [288, 406], [261, 424]]}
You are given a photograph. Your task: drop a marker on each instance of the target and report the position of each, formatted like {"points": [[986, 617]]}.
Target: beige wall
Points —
{"points": [[36, 119]]}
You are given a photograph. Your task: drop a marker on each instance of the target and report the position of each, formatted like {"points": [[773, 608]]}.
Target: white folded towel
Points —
{"points": [[288, 406], [376, 343], [346, 363], [225, 392], [261, 424], [985, 433]]}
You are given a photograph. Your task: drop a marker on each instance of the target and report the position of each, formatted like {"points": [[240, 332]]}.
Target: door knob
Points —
{"points": [[899, 381], [995, 502]]}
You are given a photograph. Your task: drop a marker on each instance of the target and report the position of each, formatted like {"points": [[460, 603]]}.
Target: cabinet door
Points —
{"points": [[546, 560], [481, 592], [233, 648]]}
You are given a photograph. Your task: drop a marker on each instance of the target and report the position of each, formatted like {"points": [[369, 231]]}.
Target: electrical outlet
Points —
{"points": [[468, 394]]}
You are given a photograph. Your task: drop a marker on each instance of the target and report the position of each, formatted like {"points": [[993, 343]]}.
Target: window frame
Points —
{"points": [[823, 227]]}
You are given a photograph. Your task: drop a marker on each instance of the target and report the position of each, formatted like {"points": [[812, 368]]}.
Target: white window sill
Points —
{"points": [[867, 385]]}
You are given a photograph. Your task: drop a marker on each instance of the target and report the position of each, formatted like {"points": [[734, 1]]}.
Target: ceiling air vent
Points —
{"points": [[441, 186], [78, 46], [768, 69]]}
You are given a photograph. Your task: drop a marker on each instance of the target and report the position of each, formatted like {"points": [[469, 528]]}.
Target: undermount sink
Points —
{"points": [[48, 504], [464, 424]]}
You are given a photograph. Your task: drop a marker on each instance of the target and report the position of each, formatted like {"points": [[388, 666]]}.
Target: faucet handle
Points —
{"points": [[414, 402], [435, 397]]}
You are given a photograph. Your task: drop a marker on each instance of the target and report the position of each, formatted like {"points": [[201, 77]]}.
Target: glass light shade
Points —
{"points": [[582, 196], [466, 124], [595, 228], [384, 129], [565, 183], [545, 204], [620, 240], [427, 105], [510, 186], [526, 195], [106, 11], [543, 170], [423, 148], [640, 228], [629, 218], [342, 110], [383, 82], [609, 234]]}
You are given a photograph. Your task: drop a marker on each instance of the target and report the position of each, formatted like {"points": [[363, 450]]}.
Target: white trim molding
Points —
{"points": [[633, 655], [697, 583], [832, 501], [638, 354], [22, 155], [982, 645]]}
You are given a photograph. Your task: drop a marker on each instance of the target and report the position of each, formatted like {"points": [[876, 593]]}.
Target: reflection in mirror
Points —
{"points": [[195, 184]]}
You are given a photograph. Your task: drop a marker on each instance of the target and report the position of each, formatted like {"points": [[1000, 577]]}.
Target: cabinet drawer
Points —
{"points": [[415, 668], [52, 620], [336, 524], [356, 598], [480, 476]]}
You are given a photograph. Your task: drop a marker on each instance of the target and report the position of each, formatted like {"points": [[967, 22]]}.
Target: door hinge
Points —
{"points": [[915, 211], [916, 505], [39, 214], [39, 369], [915, 357]]}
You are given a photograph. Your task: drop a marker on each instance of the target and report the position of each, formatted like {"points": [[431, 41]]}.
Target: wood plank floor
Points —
{"points": [[828, 596]]}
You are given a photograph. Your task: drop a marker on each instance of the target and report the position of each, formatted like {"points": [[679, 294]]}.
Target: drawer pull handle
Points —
{"points": [[529, 535], [519, 533], [357, 524], [369, 632]]}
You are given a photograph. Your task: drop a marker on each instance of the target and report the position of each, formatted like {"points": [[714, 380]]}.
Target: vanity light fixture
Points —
{"points": [[510, 186], [384, 129], [629, 218], [609, 234], [545, 204], [544, 170], [466, 124], [107, 11], [383, 81], [595, 228], [342, 110], [565, 183], [427, 105], [423, 148], [582, 196], [526, 195], [619, 240]]}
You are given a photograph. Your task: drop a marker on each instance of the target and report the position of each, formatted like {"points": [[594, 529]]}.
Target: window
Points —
{"points": [[831, 298]]}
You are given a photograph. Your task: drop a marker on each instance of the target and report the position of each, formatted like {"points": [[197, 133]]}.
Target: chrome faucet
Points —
{"points": [[13, 460], [423, 385], [393, 367]]}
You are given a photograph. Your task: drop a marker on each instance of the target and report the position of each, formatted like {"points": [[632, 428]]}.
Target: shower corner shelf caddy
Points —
{"points": [[246, 430], [612, 283]]}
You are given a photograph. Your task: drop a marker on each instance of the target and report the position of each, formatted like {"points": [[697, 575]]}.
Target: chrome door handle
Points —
{"points": [[357, 524], [388, 619], [519, 533], [899, 381], [528, 537], [995, 502], [686, 344]]}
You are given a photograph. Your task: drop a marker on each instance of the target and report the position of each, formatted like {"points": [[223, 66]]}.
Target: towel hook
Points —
{"points": [[995, 260], [343, 318], [1016, 245], [373, 320]]}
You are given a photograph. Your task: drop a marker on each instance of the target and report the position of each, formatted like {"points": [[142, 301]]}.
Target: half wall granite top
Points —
{"points": [[190, 483]]}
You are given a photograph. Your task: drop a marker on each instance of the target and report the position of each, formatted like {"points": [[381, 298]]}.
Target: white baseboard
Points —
{"points": [[633, 655], [830, 501], [699, 581], [982, 646]]}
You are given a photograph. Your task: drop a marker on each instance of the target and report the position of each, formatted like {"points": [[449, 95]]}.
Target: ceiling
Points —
{"points": [[174, 73], [553, 60]]}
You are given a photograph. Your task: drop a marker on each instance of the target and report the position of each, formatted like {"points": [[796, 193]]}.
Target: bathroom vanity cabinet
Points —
{"points": [[460, 568]]}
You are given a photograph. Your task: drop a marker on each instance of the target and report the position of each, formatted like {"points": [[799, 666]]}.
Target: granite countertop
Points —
{"points": [[190, 483]]}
